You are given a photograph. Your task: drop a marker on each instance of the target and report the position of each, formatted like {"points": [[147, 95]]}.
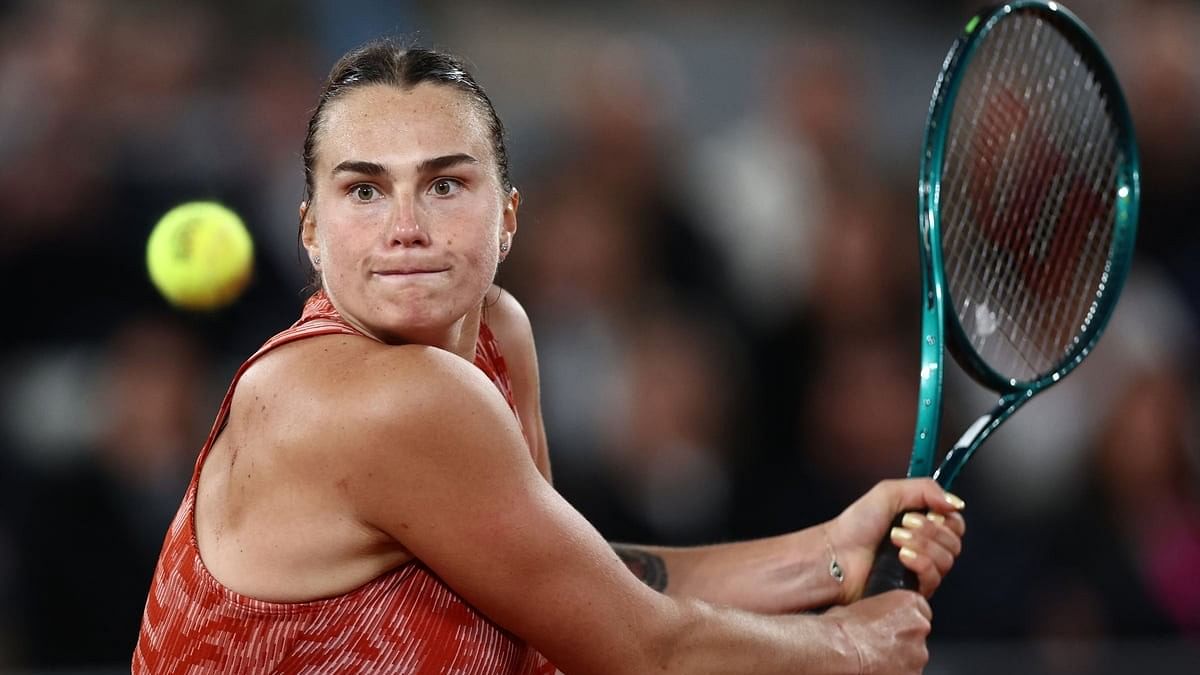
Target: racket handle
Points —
{"points": [[887, 572]]}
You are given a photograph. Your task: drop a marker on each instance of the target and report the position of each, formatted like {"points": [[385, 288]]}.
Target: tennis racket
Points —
{"points": [[1028, 202]]}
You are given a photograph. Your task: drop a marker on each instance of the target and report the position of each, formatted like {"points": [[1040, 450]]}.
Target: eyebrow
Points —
{"points": [[359, 166], [445, 162], [424, 166]]}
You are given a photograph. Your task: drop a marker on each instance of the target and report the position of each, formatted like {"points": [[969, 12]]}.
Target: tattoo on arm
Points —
{"points": [[644, 565]]}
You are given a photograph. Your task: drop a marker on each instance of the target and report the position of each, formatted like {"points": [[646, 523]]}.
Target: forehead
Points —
{"points": [[393, 124]]}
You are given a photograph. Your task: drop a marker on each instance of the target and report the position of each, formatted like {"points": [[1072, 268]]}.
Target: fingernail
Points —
{"points": [[936, 517], [906, 552], [901, 533], [955, 501], [912, 521]]}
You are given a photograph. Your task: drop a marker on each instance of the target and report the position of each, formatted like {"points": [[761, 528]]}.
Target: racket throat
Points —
{"points": [[972, 431], [976, 434]]}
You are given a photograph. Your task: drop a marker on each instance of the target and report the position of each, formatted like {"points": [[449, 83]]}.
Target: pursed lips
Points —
{"points": [[409, 271]]}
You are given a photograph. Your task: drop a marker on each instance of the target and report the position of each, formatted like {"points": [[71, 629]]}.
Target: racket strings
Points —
{"points": [[1073, 197], [1090, 268], [996, 122], [1089, 196], [1064, 199], [991, 120], [1017, 201], [1027, 198]]}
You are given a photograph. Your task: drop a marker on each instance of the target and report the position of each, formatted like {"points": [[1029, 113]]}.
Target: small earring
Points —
{"points": [[316, 260], [504, 247]]}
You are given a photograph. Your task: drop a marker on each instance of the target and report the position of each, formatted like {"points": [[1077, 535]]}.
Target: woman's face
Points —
{"points": [[407, 215]]}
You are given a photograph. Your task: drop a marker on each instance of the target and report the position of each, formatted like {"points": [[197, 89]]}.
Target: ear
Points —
{"points": [[308, 233], [508, 227]]}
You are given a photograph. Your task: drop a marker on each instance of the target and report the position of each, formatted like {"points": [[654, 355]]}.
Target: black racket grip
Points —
{"points": [[887, 572]]}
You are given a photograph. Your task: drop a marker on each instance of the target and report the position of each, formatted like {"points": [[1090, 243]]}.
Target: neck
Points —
{"points": [[464, 334]]}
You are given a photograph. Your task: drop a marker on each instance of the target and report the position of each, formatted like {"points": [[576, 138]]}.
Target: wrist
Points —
{"points": [[849, 655], [849, 561], [807, 569], [833, 566]]}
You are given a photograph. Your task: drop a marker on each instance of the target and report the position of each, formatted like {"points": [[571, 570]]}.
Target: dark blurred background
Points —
{"points": [[718, 253]]}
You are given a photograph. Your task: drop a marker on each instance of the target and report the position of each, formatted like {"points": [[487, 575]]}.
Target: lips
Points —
{"points": [[409, 270]]}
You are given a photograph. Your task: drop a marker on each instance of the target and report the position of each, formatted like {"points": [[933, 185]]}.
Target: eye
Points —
{"points": [[445, 187], [364, 192]]}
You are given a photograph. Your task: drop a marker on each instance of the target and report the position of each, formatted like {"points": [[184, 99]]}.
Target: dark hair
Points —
{"points": [[385, 61]]}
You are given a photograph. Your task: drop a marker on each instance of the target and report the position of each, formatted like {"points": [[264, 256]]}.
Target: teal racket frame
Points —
{"points": [[935, 321]]}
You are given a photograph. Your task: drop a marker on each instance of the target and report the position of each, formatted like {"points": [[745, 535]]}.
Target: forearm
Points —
{"points": [[722, 640], [773, 575]]}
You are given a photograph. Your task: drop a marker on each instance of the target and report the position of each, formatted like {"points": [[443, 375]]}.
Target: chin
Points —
{"points": [[418, 322]]}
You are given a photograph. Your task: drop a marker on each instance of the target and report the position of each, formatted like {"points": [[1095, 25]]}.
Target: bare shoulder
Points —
{"points": [[387, 423], [509, 321], [356, 388], [337, 450], [511, 325], [404, 428]]}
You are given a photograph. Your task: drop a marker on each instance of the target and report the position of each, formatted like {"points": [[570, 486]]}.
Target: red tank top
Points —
{"points": [[404, 621]]}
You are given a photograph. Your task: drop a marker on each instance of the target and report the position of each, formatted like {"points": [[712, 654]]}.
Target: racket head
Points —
{"points": [[1028, 196]]}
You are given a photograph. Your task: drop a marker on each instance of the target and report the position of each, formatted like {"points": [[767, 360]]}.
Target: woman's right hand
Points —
{"points": [[888, 631]]}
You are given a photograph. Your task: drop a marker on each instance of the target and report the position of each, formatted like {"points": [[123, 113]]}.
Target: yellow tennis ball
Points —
{"points": [[200, 256]]}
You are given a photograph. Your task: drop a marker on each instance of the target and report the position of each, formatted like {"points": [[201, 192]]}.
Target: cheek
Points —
{"points": [[475, 234], [482, 260], [342, 233]]}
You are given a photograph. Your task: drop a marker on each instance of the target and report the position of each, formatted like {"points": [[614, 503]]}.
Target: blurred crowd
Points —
{"points": [[717, 251]]}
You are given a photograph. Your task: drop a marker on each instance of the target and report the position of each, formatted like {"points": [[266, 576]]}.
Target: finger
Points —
{"points": [[923, 608], [955, 521], [899, 598], [920, 494], [947, 503], [933, 528], [926, 564], [957, 524], [928, 577], [941, 557]]}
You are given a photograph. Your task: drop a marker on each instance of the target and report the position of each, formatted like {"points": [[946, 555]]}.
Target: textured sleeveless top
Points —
{"points": [[404, 621]]}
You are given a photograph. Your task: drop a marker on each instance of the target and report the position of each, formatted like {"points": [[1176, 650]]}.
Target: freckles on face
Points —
{"points": [[407, 208]]}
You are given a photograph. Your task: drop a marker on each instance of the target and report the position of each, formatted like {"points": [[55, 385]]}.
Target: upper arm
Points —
{"points": [[509, 322], [440, 464]]}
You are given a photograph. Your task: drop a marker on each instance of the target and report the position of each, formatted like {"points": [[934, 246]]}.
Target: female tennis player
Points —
{"points": [[375, 494]]}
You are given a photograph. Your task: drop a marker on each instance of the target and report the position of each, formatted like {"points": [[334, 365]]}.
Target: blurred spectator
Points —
{"points": [[607, 229], [1128, 552], [761, 188], [48, 74], [1158, 58], [275, 89], [668, 471], [837, 380], [576, 266], [624, 152], [90, 532]]}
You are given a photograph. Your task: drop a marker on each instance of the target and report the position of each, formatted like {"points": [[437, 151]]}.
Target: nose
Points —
{"points": [[406, 229]]}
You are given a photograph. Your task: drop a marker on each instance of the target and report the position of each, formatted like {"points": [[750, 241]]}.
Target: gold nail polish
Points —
{"points": [[901, 533], [955, 501], [912, 521], [935, 517], [906, 552]]}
